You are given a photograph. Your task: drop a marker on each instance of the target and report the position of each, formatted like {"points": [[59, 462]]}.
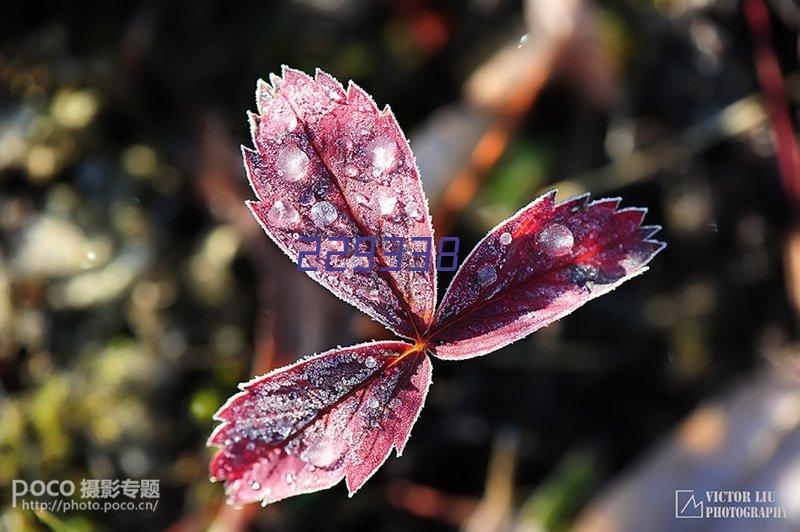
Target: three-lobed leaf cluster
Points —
{"points": [[329, 164]]}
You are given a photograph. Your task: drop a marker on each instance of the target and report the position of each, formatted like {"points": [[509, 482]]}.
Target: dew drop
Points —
{"points": [[256, 485], [351, 170], [285, 429], [383, 153], [486, 275], [322, 187], [370, 362], [386, 202], [306, 197], [326, 452], [292, 164], [556, 239], [505, 239], [323, 213], [412, 212], [522, 41], [282, 215], [290, 478]]}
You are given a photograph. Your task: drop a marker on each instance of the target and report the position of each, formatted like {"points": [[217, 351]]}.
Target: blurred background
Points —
{"points": [[136, 290]]}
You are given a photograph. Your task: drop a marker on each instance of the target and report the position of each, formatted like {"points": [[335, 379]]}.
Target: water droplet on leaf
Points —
{"points": [[486, 275], [291, 122], [282, 215], [326, 452], [285, 429], [383, 153], [505, 239], [306, 197], [385, 202], [351, 170], [323, 213], [556, 239], [412, 212], [292, 164]]}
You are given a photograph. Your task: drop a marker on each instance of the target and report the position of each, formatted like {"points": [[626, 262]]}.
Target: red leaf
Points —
{"points": [[536, 267], [304, 427], [329, 163]]}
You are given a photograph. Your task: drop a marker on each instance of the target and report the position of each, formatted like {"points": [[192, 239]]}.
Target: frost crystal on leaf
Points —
{"points": [[536, 267], [328, 163], [348, 170], [304, 427]]}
